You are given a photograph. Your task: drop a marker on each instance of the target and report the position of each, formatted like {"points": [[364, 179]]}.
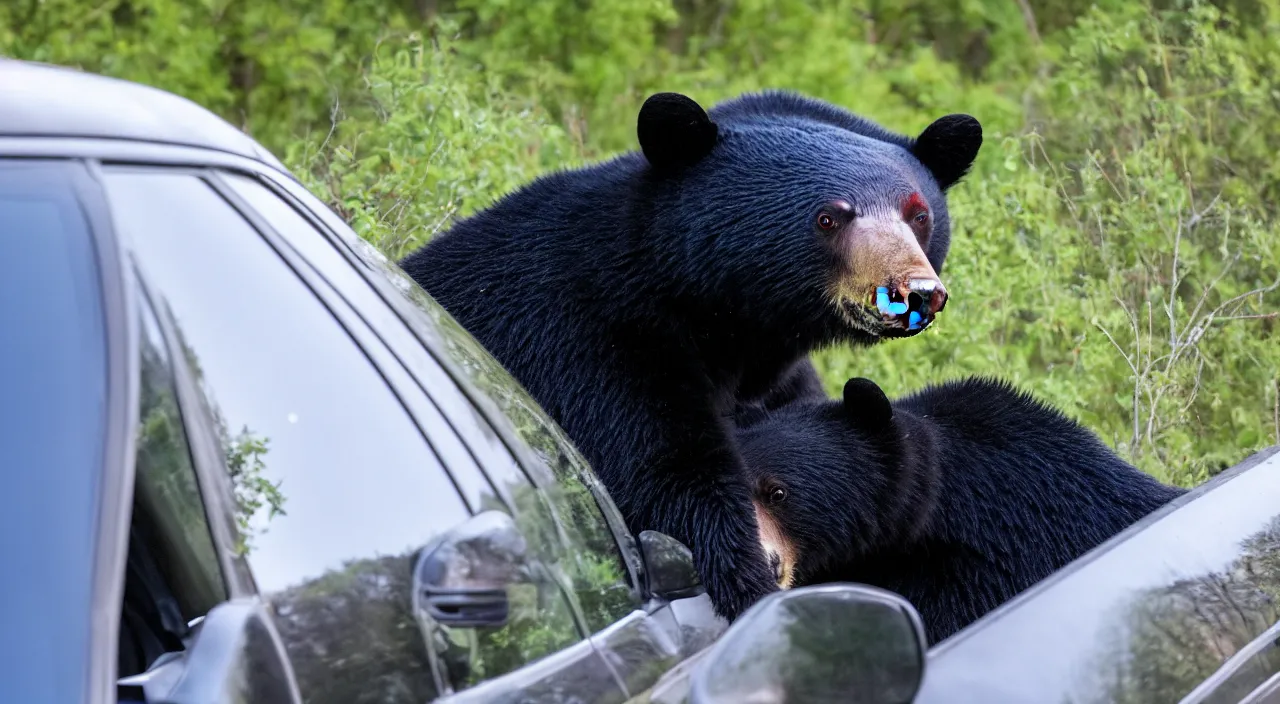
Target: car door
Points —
{"points": [[526, 460], [332, 485]]}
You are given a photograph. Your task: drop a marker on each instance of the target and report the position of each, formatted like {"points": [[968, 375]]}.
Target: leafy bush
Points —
{"points": [[1115, 251]]}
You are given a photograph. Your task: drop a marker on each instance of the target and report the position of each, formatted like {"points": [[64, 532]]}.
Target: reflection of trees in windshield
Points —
{"points": [[1172, 638]]}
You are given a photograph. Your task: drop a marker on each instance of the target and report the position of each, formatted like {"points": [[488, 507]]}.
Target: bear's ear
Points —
{"points": [[866, 405], [948, 146], [674, 131]]}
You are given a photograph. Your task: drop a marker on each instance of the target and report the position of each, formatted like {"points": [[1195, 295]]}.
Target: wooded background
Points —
{"points": [[1115, 249]]}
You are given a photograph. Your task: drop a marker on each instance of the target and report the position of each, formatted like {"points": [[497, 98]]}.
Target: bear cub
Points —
{"points": [[957, 497]]}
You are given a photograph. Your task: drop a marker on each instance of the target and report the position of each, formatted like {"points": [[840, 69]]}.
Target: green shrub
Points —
{"points": [[1115, 248], [438, 144], [1123, 262]]}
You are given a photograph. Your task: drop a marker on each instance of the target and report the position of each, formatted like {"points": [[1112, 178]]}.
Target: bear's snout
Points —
{"points": [[910, 306], [778, 548], [885, 284]]}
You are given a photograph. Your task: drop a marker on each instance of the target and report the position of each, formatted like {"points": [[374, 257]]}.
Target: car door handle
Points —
{"points": [[466, 607]]}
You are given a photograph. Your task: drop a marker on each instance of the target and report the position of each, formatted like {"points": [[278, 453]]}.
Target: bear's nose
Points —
{"points": [[925, 296], [912, 304]]}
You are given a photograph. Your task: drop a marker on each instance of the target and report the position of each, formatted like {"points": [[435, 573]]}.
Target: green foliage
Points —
{"points": [[438, 144], [1114, 250], [252, 490], [1122, 262]]}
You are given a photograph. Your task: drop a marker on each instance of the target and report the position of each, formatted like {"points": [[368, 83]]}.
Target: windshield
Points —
{"points": [[52, 402]]}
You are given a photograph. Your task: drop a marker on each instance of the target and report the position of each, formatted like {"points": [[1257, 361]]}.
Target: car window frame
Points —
{"points": [[115, 496], [206, 453]]}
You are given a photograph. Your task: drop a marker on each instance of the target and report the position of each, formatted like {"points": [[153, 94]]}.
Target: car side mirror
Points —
{"points": [[236, 655], [461, 579], [668, 567], [825, 643]]}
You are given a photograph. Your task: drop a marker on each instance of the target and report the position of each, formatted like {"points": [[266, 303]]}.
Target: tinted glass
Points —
{"points": [[541, 621], [172, 575], [165, 490], [52, 403], [587, 548], [335, 487]]}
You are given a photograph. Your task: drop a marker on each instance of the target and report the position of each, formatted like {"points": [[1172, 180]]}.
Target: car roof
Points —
{"points": [[41, 100]]}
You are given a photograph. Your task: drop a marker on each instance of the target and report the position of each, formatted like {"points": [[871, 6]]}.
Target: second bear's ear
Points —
{"points": [[866, 404], [948, 146], [674, 131]]}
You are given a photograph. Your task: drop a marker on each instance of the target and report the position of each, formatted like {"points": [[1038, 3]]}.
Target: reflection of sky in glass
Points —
{"points": [[1055, 642], [358, 479]]}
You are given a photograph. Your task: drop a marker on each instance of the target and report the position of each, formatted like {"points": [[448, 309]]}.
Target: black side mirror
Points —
{"points": [[236, 656], [461, 580], [826, 643], [668, 567]]}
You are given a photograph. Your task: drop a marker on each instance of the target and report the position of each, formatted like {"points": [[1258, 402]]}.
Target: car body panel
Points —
{"points": [[1146, 616], [55, 101], [1056, 641]]}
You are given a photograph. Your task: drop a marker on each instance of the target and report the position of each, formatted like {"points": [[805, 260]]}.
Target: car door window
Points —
{"points": [[570, 503], [337, 490], [564, 530]]}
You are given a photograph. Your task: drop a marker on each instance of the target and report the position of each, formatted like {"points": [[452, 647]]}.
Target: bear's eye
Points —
{"points": [[826, 221], [921, 217], [777, 495]]}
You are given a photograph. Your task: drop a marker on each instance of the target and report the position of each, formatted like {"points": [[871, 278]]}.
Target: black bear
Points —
{"points": [[957, 497], [640, 299]]}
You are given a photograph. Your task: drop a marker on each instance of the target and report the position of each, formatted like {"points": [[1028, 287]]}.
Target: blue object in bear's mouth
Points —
{"points": [[910, 315]]}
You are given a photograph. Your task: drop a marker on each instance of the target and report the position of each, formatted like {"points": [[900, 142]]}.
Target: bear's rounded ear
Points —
{"points": [[948, 146], [674, 131], [866, 405]]}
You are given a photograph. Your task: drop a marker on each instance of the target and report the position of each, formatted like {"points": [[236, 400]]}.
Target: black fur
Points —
{"points": [[640, 302], [957, 497]]}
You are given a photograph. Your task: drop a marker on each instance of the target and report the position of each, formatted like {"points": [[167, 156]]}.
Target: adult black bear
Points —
{"points": [[639, 300], [957, 497]]}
